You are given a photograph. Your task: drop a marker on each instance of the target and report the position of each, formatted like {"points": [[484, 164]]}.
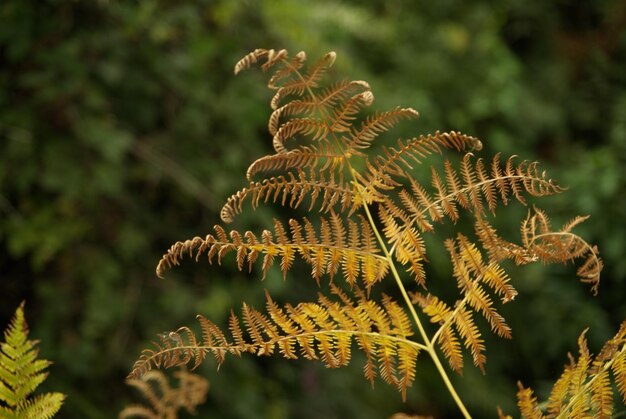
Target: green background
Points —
{"points": [[122, 130]]}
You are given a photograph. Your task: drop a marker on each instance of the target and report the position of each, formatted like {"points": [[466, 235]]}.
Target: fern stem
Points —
{"points": [[429, 345]]}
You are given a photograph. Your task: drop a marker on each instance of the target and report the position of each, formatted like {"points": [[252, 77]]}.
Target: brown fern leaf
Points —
{"points": [[165, 401], [298, 86], [324, 330], [561, 246], [497, 248], [272, 57], [292, 190], [316, 129], [354, 251], [320, 156], [362, 137], [289, 69], [324, 102], [584, 389], [515, 180], [395, 161]]}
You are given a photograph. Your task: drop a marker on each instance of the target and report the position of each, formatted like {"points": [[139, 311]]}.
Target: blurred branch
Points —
{"points": [[8, 208], [171, 168]]}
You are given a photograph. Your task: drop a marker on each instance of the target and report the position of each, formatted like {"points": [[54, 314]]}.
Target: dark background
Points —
{"points": [[122, 130]]}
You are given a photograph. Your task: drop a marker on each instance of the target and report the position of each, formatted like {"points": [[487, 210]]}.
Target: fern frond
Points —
{"points": [[497, 248], [272, 57], [324, 252], [320, 156], [315, 129], [584, 389], [324, 330], [408, 243], [292, 190], [394, 161], [325, 102], [561, 246], [362, 137], [21, 373], [527, 403], [455, 324], [165, 401], [470, 271], [299, 85]]}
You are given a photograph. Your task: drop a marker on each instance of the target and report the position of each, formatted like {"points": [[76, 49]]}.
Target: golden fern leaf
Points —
{"points": [[561, 246], [324, 330], [408, 244], [165, 401], [527, 403], [323, 253], [292, 190], [584, 389], [470, 271]]}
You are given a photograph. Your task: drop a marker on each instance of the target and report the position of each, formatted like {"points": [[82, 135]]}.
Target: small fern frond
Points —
{"points": [[316, 331], [165, 401], [292, 189], [362, 137], [272, 57], [584, 389], [353, 249], [21, 373], [561, 246], [499, 249], [395, 161]]}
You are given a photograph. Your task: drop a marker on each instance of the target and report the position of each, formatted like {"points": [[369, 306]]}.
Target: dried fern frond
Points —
{"points": [[584, 389], [350, 247], [323, 161], [561, 246], [21, 373], [316, 331], [331, 190], [164, 402], [321, 156]]}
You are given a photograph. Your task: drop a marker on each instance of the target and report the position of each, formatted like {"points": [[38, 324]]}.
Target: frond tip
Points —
{"points": [[21, 373]]}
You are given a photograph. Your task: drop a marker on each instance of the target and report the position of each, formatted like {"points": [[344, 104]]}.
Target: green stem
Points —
{"points": [[429, 344]]}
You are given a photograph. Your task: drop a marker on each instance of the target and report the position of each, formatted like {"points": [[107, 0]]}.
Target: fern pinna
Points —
{"points": [[373, 214]]}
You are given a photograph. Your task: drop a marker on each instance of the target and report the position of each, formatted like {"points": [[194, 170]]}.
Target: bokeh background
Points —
{"points": [[122, 130]]}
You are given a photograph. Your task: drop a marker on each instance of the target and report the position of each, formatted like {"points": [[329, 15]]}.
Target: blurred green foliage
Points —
{"points": [[122, 130]]}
